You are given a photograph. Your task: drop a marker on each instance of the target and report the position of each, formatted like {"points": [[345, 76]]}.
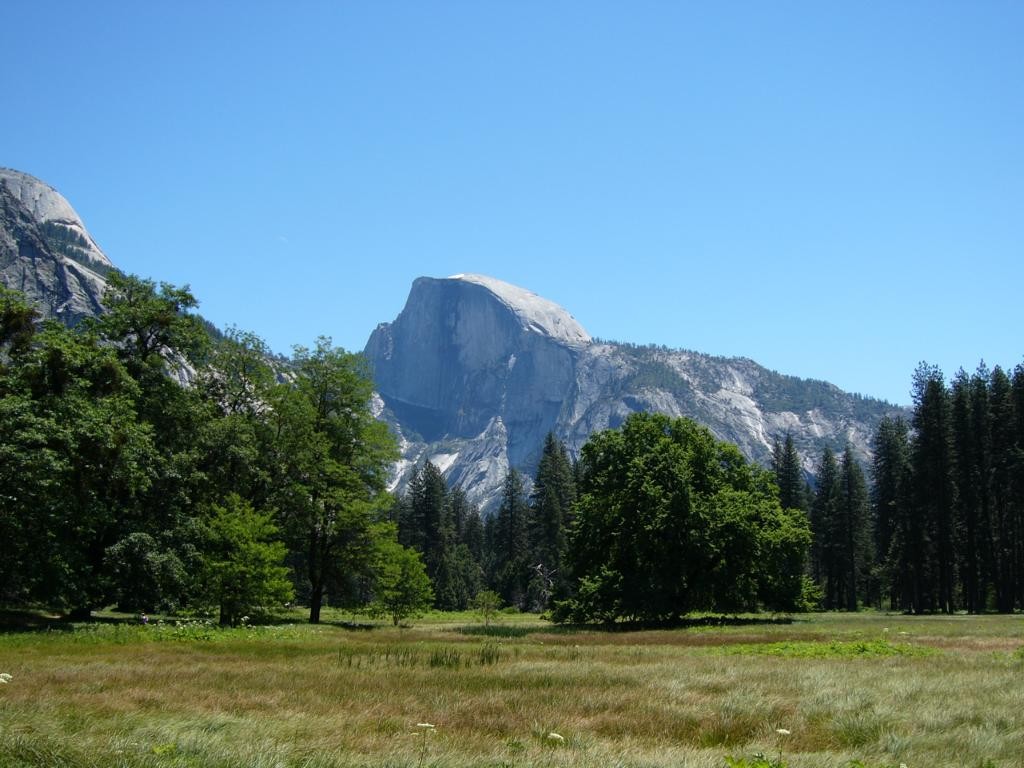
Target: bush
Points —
{"points": [[143, 576]]}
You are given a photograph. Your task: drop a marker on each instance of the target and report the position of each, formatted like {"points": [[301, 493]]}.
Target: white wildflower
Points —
{"points": [[555, 737], [5, 678], [782, 732]]}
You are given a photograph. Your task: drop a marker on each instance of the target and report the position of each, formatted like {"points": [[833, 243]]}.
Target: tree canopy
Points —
{"points": [[670, 520], [145, 464]]}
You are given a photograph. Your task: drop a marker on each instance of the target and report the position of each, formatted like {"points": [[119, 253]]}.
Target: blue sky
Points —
{"points": [[834, 190]]}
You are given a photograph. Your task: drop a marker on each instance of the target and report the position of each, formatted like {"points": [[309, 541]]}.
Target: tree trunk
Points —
{"points": [[80, 613], [316, 599], [314, 571]]}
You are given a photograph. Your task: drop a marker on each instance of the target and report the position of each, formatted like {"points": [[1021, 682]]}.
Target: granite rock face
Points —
{"points": [[478, 370], [46, 251], [474, 373]]}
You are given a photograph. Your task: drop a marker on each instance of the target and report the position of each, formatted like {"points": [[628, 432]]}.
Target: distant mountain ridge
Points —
{"points": [[474, 372]]}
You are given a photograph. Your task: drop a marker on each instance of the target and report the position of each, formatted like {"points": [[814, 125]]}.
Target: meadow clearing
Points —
{"points": [[867, 689]]}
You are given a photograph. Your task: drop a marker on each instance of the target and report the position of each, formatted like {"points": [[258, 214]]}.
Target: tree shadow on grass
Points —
{"points": [[502, 630], [352, 626], [12, 620], [511, 631]]}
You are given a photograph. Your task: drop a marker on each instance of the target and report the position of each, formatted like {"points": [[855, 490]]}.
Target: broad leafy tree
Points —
{"points": [[669, 520], [242, 570], [401, 585], [330, 462], [71, 411]]}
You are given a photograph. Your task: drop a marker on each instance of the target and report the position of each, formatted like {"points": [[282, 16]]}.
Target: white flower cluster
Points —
{"points": [[5, 678]]}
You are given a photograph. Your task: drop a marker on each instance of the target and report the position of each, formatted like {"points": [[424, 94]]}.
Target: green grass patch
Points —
{"points": [[119, 633], [833, 649]]}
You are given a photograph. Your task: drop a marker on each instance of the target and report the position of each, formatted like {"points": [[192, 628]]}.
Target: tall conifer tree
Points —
{"points": [[935, 491], [853, 545], [972, 446], [891, 504], [789, 475], [824, 511], [1005, 510], [554, 492], [511, 559]]}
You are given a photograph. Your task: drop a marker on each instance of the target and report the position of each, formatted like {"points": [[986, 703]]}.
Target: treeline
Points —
{"points": [[941, 528], [244, 489], [657, 519], [261, 481], [519, 552]]}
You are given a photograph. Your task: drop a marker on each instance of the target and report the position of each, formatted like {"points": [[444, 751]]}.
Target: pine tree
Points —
{"points": [[471, 533], [890, 504], [436, 521], [934, 492], [511, 570], [1005, 510], [824, 512], [554, 493], [853, 544], [429, 498], [789, 475], [972, 450], [1017, 474]]}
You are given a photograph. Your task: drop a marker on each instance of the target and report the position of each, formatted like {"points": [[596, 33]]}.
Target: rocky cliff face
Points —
{"points": [[46, 251], [475, 372]]}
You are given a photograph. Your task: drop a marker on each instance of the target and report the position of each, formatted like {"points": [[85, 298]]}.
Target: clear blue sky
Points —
{"points": [[835, 190]]}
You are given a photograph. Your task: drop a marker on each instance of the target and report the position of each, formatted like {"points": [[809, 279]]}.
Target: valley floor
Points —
{"points": [[880, 689]]}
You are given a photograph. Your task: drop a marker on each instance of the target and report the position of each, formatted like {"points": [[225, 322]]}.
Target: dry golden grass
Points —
{"points": [[330, 696]]}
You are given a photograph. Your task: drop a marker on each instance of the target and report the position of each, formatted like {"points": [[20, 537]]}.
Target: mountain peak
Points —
{"points": [[534, 312], [45, 250], [48, 206], [474, 373]]}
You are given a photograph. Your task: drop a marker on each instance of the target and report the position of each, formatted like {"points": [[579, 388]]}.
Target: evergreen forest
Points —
{"points": [[150, 465], [939, 524]]}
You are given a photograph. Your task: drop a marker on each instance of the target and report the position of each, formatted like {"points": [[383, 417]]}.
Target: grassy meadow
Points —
{"points": [[869, 689]]}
